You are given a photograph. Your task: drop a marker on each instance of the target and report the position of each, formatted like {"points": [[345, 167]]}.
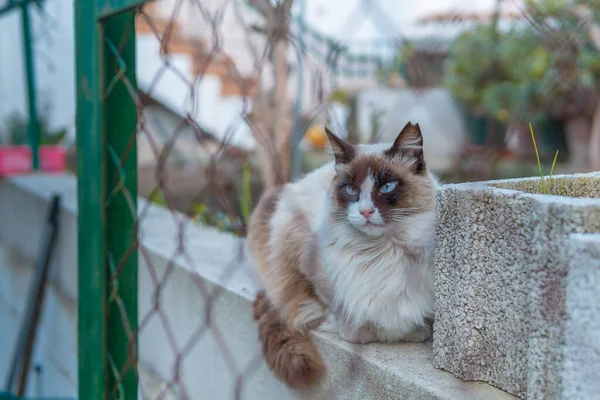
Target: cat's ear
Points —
{"points": [[409, 146], [344, 152]]}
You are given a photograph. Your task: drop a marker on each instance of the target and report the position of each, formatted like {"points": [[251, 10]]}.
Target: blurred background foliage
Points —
{"points": [[527, 72]]}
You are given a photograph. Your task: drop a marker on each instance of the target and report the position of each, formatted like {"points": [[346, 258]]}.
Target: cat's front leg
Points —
{"points": [[419, 334], [363, 335]]}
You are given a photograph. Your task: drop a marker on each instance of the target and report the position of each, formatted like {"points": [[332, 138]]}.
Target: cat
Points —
{"points": [[348, 249]]}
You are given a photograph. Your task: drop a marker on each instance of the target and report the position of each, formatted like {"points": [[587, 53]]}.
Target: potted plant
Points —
{"points": [[15, 152]]}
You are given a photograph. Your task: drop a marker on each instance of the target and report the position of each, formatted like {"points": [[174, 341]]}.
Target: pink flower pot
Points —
{"points": [[16, 160]]}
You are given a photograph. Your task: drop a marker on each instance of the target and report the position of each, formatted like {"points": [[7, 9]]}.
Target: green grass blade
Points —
{"points": [[552, 169], [537, 154], [553, 164], [562, 188]]}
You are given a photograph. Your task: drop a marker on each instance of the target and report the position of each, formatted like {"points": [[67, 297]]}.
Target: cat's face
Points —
{"points": [[379, 188]]}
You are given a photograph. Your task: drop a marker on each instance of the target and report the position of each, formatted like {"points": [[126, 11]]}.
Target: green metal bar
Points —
{"points": [[15, 4], [107, 8], [91, 159], [107, 170], [33, 128], [120, 122], [8, 8]]}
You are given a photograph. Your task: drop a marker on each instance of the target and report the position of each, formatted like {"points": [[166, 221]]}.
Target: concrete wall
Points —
{"points": [[203, 342], [581, 368], [501, 265]]}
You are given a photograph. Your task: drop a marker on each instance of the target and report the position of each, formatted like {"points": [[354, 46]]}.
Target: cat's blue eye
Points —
{"points": [[388, 187], [351, 191]]}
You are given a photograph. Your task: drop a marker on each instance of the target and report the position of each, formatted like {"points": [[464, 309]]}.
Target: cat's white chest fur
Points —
{"points": [[382, 283], [379, 283]]}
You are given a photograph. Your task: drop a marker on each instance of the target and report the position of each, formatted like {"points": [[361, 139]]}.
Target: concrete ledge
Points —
{"points": [[501, 262], [197, 336], [581, 368]]}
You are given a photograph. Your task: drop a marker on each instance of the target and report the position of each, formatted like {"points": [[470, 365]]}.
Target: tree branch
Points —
{"points": [[286, 6]]}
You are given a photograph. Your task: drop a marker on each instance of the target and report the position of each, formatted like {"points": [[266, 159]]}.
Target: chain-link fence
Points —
{"points": [[199, 106], [205, 123]]}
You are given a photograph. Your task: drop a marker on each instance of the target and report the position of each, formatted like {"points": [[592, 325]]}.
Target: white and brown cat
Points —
{"points": [[347, 249]]}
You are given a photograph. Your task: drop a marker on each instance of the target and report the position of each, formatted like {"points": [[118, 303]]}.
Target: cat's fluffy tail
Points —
{"points": [[291, 356]]}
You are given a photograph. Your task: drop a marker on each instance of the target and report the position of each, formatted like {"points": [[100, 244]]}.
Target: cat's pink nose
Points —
{"points": [[367, 213]]}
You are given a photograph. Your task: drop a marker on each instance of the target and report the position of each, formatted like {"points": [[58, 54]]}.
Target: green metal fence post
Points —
{"points": [[107, 190], [120, 123], [33, 128], [91, 172]]}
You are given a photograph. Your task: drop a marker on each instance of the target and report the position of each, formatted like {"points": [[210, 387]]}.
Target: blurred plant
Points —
{"points": [[201, 213], [400, 65], [546, 185], [245, 196], [219, 220], [159, 199], [17, 131], [340, 95], [546, 69], [529, 79], [571, 31]]}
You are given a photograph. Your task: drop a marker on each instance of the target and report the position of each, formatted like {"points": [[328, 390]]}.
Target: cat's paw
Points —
{"points": [[361, 335], [260, 305], [420, 334]]}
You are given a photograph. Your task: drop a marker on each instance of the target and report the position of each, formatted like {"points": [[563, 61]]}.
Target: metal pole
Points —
{"points": [[33, 128], [107, 195], [91, 169], [19, 367], [42, 269]]}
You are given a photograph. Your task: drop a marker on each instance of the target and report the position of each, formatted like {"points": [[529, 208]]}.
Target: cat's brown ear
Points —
{"points": [[344, 152], [409, 145]]}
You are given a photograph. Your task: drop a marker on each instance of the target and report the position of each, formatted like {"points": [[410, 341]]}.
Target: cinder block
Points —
{"points": [[501, 265], [581, 364]]}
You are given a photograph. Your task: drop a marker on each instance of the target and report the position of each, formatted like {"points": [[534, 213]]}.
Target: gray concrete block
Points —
{"points": [[501, 263], [581, 365]]}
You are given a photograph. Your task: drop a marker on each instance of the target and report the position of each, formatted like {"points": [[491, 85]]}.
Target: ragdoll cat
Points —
{"points": [[346, 249]]}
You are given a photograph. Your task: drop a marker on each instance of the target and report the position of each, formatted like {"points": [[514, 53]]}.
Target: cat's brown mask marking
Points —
{"points": [[403, 163]]}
